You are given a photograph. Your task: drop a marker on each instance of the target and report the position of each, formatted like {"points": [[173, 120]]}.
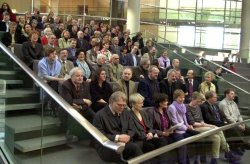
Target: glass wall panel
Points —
{"points": [[171, 34], [186, 35], [212, 37]]}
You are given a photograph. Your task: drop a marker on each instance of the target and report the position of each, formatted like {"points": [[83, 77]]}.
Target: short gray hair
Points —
{"points": [[117, 96], [135, 98], [74, 70], [170, 72]]}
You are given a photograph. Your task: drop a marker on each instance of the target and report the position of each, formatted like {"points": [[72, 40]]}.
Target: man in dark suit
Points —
{"points": [[192, 85], [81, 42], [149, 86], [4, 24], [169, 85], [115, 123], [210, 110], [76, 92], [131, 59], [114, 48], [141, 72], [11, 37]]}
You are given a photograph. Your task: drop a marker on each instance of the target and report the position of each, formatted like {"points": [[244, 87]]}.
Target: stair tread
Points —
{"points": [[10, 107], [18, 93], [14, 81], [7, 72], [31, 122], [35, 143]]}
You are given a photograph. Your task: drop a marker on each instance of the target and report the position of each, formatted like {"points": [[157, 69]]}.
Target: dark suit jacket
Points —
{"points": [[169, 90], [82, 45], [7, 39], [139, 129], [156, 121], [196, 85], [105, 122], [31, 53], [69, 93], [209, 116], [114, 50], [145, 89], [129, 60], [137, 71], [3, 26]]}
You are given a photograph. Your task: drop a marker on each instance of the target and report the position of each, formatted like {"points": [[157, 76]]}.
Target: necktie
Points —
{"points": [[216, 114], [190, 87], [64, 68], [117, 119], [165, 64]]}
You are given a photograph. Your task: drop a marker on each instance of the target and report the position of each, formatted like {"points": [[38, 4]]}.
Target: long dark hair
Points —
{"points": [[96, 75]]}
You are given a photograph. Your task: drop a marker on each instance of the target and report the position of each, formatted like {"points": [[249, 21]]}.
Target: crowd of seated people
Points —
{"points": [[98, 70]]}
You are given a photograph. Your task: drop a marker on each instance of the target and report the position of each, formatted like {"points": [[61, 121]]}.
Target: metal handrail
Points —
{"points": [[185, 141], [67, 107], [236, 74]]}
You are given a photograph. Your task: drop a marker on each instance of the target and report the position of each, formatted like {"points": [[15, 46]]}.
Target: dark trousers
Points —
{"points": [[131, 150]]}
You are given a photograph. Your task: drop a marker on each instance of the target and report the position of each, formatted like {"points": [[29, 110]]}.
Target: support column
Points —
{"points": [[245, 32], [133, 15]]}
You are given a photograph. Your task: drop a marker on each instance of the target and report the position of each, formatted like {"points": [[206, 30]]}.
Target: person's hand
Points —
{"points": [[102, 101], [76, 107], [87, 101], [167, 132], [141, 76], [149, 136], [190, 127], [242, 127], [88, 80], [124, 138]]}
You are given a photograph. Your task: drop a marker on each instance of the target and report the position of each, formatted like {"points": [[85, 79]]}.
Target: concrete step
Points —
{"points": [[18, 93], [12, 107], [14, 81], [233, 78], [20, 124], [35, 143], [7, 72]]}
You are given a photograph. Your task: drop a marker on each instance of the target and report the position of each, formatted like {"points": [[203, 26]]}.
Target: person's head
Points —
{"points": [[153, 72], [76, 75], [115, 59], [99, 75], [164, 54], [34, 23], [232, 65], [209, 77], [171, 76], [63, 54], [12, 26], [74, 28], [61, 27], [229, 94], [65, 34], [127, 74], [136, 101], [6, 7], [80, 35], [153, 51], [190, 74], [175, 63], [47, 31], [51, 39], [161, 100], [72, 43], [51, 53], [124, 50], [101, 58], [96, 47], [149, 43], [6, 16], [179, 96], [117, 101], [134, 49], [218, 70], [80, 55], [211, 97], [197, 98], [145, 63], [105, 45], [27, 28], [33, 36], [115, 40]]}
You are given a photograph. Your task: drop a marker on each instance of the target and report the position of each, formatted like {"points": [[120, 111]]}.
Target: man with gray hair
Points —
{"points": [[77, 93], [115, 123], [170, 84], [100, 63], [115, 69], [141, 71]]}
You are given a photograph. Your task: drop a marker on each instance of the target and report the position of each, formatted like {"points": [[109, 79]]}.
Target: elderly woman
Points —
{"points": [[144, 132], [100, 90], [82, 63], [177, 115], [207, 85]]}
